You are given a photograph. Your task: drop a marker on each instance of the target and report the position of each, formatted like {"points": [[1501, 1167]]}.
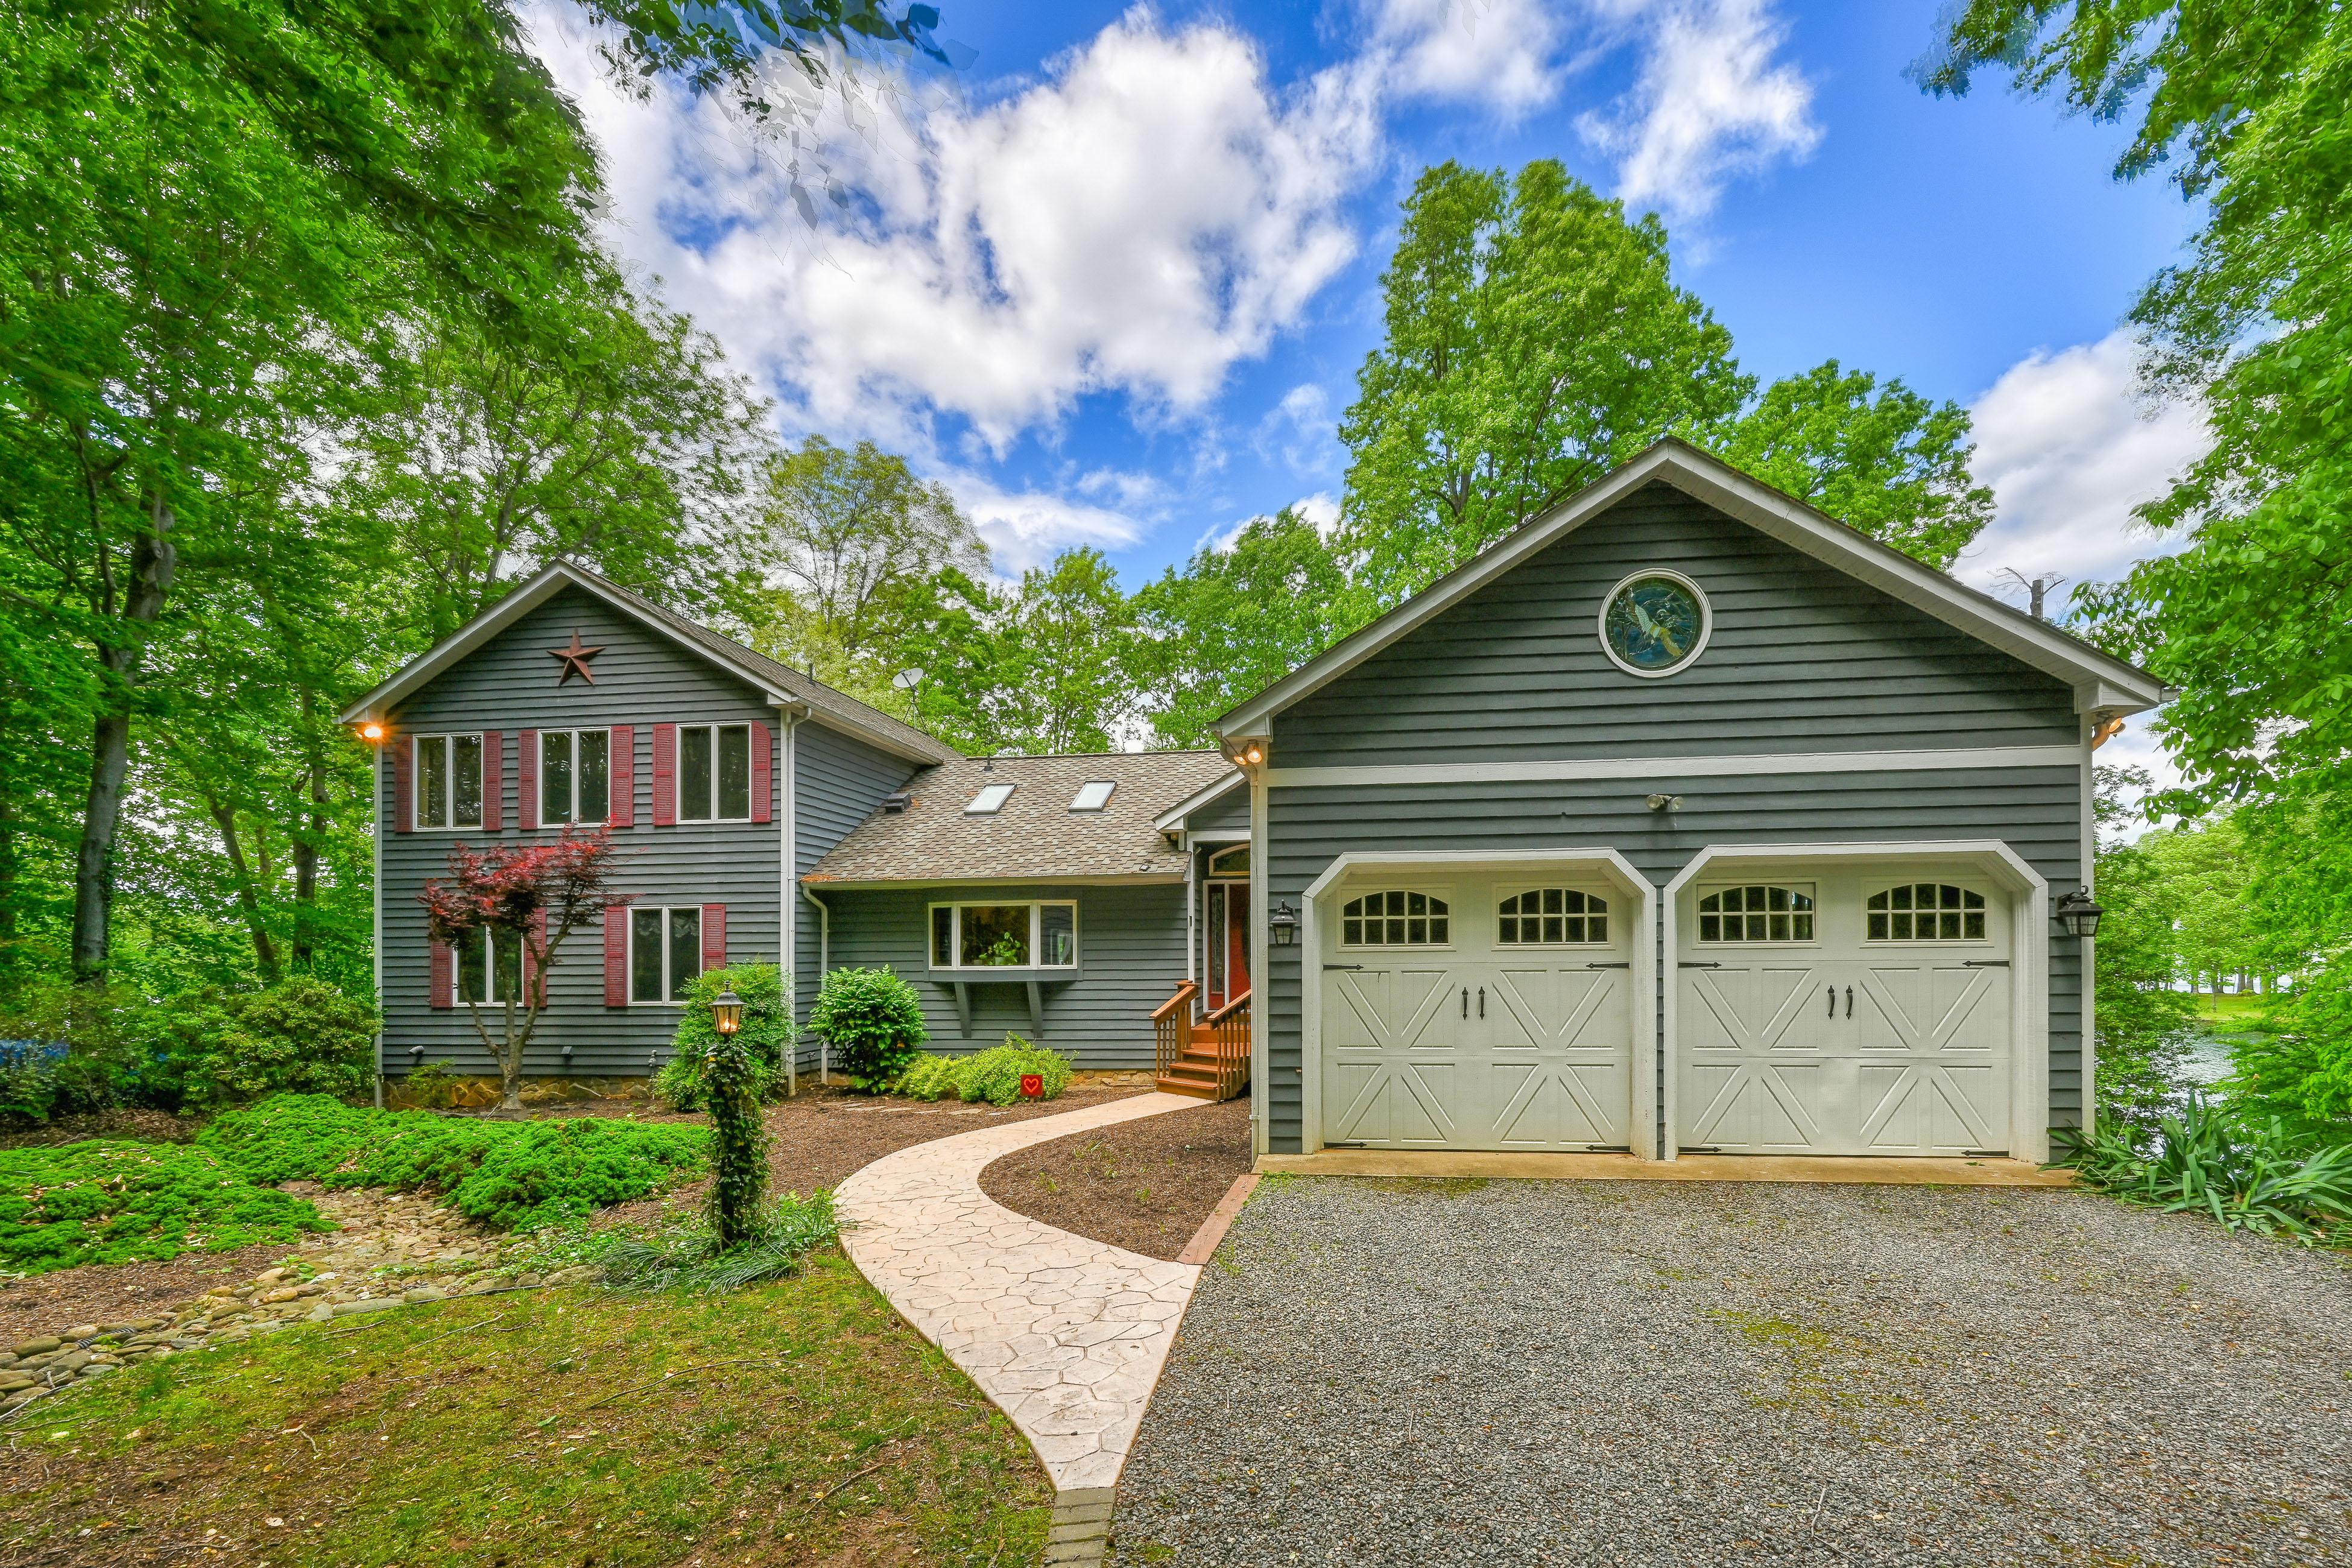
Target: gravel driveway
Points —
{"points": [[1395, 1372]]}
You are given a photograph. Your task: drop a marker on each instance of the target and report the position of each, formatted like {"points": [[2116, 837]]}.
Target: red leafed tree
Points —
{"points": [[528, 899]]}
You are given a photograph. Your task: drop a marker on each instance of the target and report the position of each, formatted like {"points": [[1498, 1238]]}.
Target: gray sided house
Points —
{"points": [[1683, 818]]}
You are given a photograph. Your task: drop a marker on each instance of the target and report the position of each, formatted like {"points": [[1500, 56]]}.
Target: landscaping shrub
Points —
{"points": [[113, 1050], [873, 1021], [516, 1175], [688, 1253], [108, 1201], [994, 1074], [2248, 1175], [433, 1087], [766, 1028], [930, 1078], [28, 1079], [298, 1037]]}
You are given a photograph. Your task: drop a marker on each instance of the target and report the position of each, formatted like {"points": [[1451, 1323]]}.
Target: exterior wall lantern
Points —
{"points": [[372, 731], [1282, 925], [726, 1011], [2079, 913]]}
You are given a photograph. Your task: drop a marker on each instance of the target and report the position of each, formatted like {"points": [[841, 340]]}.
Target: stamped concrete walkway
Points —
{"points": [[1068, 1335]]}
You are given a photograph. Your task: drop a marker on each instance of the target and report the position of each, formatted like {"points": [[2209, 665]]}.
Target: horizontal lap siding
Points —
{"points": [[1229, 811], [509, 684], [1131, 959], [1803, 658], [842, 783]]}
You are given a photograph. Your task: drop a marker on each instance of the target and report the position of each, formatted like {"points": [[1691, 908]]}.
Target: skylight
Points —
{"points": [[1094, 795], [989, 800]]}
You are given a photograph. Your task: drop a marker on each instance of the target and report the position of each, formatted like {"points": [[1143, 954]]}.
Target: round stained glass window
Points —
{"points": [[1654, 622]]}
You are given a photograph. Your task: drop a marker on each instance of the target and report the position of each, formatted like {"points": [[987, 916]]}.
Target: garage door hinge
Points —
{"points": [[1689, 963], [1609, 966], [1984, 964], [1343, 967]]}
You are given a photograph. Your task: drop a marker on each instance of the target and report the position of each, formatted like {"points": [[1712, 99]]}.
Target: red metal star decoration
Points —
{"points": [[575, 660]]}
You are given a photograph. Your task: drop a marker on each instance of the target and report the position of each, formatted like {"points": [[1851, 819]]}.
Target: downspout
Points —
{"points": [[376, 833], [823, 964], [787, 908], [1192, 917]]}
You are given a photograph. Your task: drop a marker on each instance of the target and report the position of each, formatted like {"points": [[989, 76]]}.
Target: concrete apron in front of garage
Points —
{"points": [[1902, 1171], [1066, 1335]]}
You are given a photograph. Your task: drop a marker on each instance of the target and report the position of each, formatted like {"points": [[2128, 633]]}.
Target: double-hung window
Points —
{"points": [[489, 968], [575, 775], [714, 773], [664, 951], [1041, 935], [448, 780]]}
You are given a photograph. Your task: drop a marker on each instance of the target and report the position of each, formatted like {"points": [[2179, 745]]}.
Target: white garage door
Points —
{"points": [[1477, 1014], [1843, 1015]]}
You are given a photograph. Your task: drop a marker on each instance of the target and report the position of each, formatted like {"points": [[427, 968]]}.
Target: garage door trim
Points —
{"points": [[1605, 862], [2029, 997]]}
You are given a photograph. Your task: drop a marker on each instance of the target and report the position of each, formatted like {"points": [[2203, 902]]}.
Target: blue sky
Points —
{"points": [[1112, 283]]}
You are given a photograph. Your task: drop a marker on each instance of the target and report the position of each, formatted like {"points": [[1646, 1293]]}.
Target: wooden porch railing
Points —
{"points": [[1230, 1024], [1171, 1025]]}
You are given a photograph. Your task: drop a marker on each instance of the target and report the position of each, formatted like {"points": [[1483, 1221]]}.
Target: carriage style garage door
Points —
{"points": [[1476, 1012], [1845, 1013]]}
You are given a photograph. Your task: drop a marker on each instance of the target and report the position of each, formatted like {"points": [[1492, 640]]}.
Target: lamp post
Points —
{"points": [[726, 1013], [2079, 913]]}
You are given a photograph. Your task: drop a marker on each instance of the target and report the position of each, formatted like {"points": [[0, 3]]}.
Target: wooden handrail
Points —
{"points": [[1184, 993], [1219, 1016]]}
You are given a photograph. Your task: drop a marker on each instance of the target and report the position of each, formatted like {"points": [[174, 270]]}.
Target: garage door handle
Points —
{"points": [[1849, 1001], [1465, 1001], [1832, 1001], [1481, 1000]]}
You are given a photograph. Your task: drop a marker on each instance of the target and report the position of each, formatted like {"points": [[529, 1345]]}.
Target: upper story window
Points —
{"points": [[1760, 913], [1926, 912], [714, 773], [1394, 919], [1552, 917], [448, 780], [1041, 935], [1093, 795], [575, 775], [989, 800]]}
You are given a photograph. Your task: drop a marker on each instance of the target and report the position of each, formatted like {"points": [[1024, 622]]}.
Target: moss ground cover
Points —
{"points": [[799, 1421], [115, 1201]]}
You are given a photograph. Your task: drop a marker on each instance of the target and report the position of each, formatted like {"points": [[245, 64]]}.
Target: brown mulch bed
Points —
{"points": [[1146, 1186], [139, 1126]]}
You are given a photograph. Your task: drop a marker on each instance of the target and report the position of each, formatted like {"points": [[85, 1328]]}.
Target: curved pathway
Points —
{"points": [[1068, 1335]]}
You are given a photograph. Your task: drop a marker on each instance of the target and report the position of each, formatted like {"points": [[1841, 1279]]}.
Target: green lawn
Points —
{"points": [[2239, 1010], [798, 1421]]}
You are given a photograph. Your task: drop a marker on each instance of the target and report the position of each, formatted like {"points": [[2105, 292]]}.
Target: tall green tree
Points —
{"points": [[1874, 455], [1535, 340], [2145, 1021], [1239, 617]]}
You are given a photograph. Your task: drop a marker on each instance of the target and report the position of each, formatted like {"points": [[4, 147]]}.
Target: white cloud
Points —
{"points": [[1494, 53], [1709, 101], [1321, 508], [1029, 528], [2070, 448], [1298, 432], [1148, 212]]}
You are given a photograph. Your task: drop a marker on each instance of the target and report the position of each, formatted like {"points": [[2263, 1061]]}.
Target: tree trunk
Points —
{"points": [[248, 902], [306, 843], [151, 562]]}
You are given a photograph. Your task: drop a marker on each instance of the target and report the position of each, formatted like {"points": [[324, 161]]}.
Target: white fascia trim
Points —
{"points": [[1173, 817], [1642, 1114], [1792, 523], [1222, 835], [1740, 766], [2028, 1003], [1027, 879]]}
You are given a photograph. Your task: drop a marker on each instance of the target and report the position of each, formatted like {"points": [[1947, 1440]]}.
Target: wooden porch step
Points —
{"points": [[1169, 1085]]}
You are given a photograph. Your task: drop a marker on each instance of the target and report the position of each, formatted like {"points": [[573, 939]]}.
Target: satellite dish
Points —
{"points": [[906, 680]]}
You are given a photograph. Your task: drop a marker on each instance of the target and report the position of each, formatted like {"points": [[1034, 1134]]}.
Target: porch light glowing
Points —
{"points": [[726, 1011], [2079, 913], [1282, 925], [1253, 756], [371, 732]]}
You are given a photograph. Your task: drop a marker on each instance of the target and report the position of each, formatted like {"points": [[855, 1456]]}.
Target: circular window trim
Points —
{"points": [[1706, 622]]}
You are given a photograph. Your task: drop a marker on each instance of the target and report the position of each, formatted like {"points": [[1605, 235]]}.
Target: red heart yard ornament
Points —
{"points": [[1032, 1086]]}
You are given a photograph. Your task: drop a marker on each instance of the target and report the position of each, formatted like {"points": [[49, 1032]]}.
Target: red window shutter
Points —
{"points": [[403, 753], [494, 780], [534, 961], [764, 783], [526, 778], [714, 936], [664, 775], [617, 956], [624, 769], [443, 976]]}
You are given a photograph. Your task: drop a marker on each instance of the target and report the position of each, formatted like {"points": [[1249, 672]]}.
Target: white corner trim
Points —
{"points": [[1706, 623], [1261, 984], [1642, 1113], [1173, 817], [2029, 1112], [1726, 766]]}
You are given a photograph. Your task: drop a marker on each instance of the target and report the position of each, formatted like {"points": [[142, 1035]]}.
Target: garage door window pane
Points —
{"points": [[1765, 912], [1925, 912], [1551, 916], [1395, 918]]}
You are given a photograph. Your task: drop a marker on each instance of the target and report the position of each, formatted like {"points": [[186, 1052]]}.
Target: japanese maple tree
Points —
{"points": [[529, 898]]}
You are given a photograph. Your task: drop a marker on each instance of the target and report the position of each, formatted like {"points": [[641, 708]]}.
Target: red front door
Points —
{"points": [[1227, 942]]}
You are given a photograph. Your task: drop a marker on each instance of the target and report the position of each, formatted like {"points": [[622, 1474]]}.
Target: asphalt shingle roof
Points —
{"points": [[1036, 837]]}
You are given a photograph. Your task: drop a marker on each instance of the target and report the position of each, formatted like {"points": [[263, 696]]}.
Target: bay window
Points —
{"points": [[1039, 934]]}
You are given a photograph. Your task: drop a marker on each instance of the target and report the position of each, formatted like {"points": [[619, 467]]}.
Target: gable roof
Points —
{"points": [[835, 710], [1171, 819], [1033, 836], [2105, 686]]}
